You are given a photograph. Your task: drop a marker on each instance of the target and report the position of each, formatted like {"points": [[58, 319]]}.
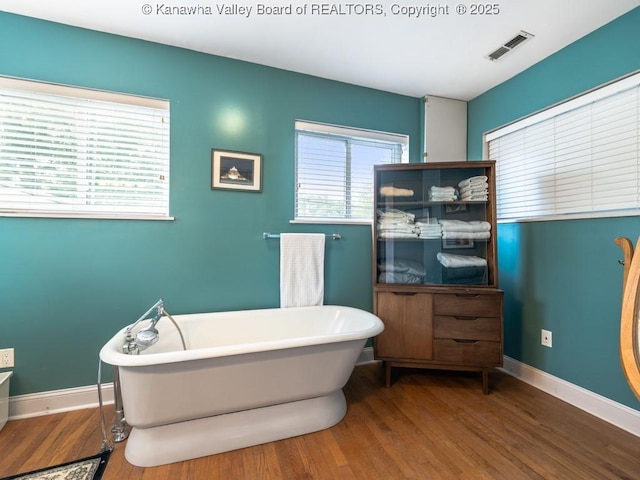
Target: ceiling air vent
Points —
{"points": [[510, 45]]}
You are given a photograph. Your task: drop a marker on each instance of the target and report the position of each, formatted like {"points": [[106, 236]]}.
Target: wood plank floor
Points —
{"points": [[428, 425]]}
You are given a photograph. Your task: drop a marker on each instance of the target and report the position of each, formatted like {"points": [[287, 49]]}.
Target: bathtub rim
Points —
{"points": [[110, 354]]}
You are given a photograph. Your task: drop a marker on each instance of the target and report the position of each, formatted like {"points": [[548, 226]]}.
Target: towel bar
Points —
{"points": [[334, 236]]}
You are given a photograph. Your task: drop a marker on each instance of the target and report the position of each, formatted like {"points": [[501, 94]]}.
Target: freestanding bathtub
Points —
{"points": [[247, 377]]}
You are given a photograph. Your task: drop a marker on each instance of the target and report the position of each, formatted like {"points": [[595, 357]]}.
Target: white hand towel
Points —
{"points": [[301, 269]]}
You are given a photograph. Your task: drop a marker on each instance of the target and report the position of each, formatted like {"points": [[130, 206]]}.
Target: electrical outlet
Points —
{"points": [[6, 358], [545, 338]]}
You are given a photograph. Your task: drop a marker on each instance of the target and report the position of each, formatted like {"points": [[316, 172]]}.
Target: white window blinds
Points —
{"points": [[67, 151], [334, 170], [579, 158]]}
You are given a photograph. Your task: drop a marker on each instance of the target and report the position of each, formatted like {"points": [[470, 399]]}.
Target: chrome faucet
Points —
{"points": [[146, 336]]}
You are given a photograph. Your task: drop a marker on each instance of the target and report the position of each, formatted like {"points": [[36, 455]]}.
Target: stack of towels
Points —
{"points": [[443, 194], [474, 189], [463, 269], [429, 228], [474, 230], [394, 223]]}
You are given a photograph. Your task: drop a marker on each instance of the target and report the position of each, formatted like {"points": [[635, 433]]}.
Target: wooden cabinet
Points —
{"points": [[435, 278], [409, 326]]}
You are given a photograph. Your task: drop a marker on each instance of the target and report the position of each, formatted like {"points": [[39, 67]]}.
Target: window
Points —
{"points": [[334, 170], [69, 152], [577, 159]]}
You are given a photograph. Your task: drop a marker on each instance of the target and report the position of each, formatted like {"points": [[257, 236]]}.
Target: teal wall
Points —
{"points": [[66, 286], [563, 276]]}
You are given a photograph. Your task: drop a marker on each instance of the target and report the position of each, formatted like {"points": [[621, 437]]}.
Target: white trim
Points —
{"points": [[366, 356], [604, 408], [330, 221], [81, 92], [574, 216], [106, 216], [58, 401], [352, 132]]}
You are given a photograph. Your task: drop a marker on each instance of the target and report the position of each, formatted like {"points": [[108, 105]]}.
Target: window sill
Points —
{"points": [[572, 216], [330, 221], [94, 216]]}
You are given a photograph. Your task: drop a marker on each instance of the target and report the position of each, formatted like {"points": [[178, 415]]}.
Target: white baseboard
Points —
{"points": [[604, 408], [626, 418], [366, 356], [57, 401]]}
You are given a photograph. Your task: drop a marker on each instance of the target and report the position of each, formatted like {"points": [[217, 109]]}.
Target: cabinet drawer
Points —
{"points": [[468, 328], [469, 352], [474, 305]]}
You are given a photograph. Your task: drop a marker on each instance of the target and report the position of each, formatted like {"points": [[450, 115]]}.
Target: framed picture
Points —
{"points": [[236, 170], [456, 208], [457, 243]]}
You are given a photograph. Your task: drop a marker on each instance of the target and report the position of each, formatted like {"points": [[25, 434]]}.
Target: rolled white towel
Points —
{"points": [[390, 191]]}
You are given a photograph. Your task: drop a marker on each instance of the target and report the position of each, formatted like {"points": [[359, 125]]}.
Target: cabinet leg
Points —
{"points": [[485, 381]]}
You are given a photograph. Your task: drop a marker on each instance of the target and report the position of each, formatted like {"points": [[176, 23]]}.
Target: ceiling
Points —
{"points": [[441, 52]]}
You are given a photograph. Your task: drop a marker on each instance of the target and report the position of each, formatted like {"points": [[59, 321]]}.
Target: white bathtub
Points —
{"points": [[247, 377]]}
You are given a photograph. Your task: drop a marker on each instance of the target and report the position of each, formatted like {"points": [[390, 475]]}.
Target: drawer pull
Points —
{"points": [[404, 294], [462, 317], [458, 340], [467, 295]]}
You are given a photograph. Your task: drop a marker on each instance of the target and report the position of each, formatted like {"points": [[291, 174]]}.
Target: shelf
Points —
{"points": [[439, 240], [428, 203]]}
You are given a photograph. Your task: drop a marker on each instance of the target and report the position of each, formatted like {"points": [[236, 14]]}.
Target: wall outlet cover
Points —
{"points": [[6, 358]]}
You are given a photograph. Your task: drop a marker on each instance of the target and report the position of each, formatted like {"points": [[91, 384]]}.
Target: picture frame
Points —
{"points": [[456, 208], [232, 170], [457, 243]]}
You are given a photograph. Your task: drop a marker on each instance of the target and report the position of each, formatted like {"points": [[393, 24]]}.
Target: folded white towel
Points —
{"points": [[466, 235], [399, 232], [301, 269], [473, 180], [396, 234], [443, 190], [475, 197], [451, 260], [443, 198], [462, 226], [479, 188], [428, 226], [393, 223], [395, 214]]}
